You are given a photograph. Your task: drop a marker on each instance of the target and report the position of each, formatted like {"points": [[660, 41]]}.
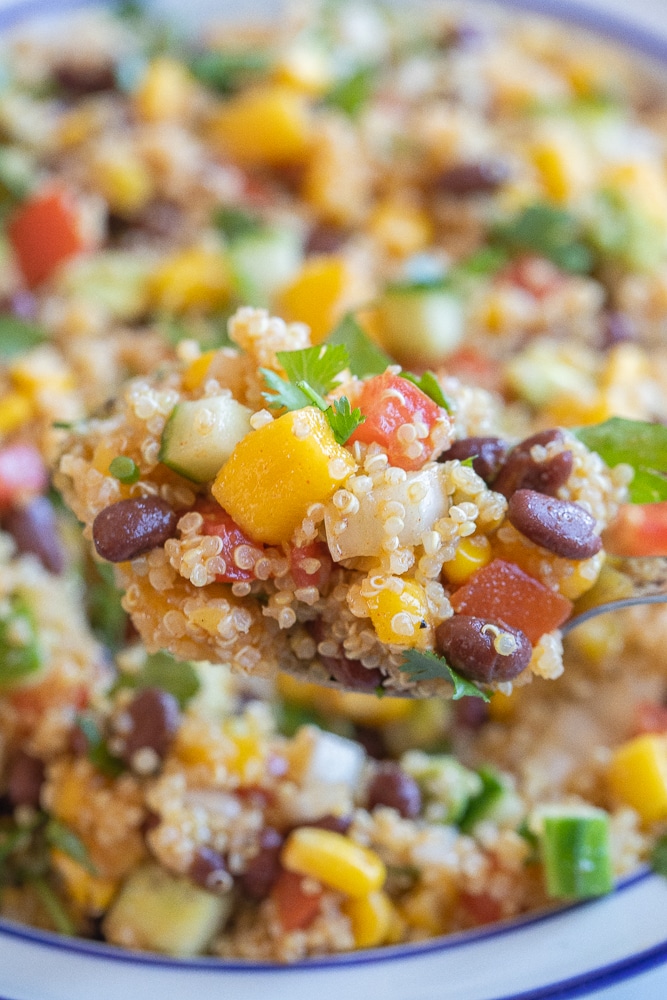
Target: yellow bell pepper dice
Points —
{"points": [[637, 776], [275, 473], [334, 860], [268, 125]]}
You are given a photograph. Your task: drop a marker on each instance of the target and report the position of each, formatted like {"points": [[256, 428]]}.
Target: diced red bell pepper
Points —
{"points": [[45, 232], [22, 473], [501, 591], [650, 717], [296, 908], [218, 522], [475, 368], [302, 562], [638, 530], [390, 403], [536, 275], [481, 907]]}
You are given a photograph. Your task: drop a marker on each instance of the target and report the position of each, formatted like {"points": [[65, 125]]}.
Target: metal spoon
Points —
{"points": [[639, 581]]}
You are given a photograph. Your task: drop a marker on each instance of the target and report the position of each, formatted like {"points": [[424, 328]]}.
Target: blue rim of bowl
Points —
{"points": [[631, 36]]}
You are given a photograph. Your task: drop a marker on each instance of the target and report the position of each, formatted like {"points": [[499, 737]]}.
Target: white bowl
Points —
{"points": [[614, 948]]}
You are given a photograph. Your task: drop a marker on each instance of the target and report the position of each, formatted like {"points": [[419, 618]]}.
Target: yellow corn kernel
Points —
{"points": [[79, 125], [15, 410], [123, 179], [503, 707], [562, 168], [103, 456], [196, 372], [334, 860], [268, 125], [364, 709], [90, 893], [275, 473], [194, 279], [403, 228], [599, 640], [637, 775], [472, 553], [611, 585], [582, 577], [318, 295], [428, 908], [588, 75], [401, 619], [69, 796], [165, 93], [304, 68], [371, 918]]}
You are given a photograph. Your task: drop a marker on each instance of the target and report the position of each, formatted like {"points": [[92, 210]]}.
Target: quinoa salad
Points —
{"points": [[333, 371]]}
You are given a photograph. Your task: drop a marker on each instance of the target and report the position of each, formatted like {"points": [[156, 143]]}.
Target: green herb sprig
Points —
{"points": [[423, 665]]}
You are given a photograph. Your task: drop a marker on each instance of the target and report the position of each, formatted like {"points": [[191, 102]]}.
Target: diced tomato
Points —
{"points": [[302, 561], [218, 522], [45, 232], [650, 717], [22, 473], [503, 592], [475, 368], [536, 275], [390, 403], [482, 907], [296, 908], [638, 530]]}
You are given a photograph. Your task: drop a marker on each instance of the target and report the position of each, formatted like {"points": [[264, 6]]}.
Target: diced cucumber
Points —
{"points": [[447, 785], [574, 844], [201, 434], [114, 280], [422, 323], [18, 172], [262, 261], [20, 652], [156, 911], [497, 801]]}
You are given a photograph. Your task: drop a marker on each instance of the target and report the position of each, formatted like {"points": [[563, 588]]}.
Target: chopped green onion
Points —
{"points": [[125, 470], [20, 653]]}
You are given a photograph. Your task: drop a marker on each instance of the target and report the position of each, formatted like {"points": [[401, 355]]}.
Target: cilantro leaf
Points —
{"points": [[225, 72], [353, 92], [426, 666], [365, 357], [234, 222], [552, 232], [311, 373], [659, 856], [163, 671], [343, 419], [318, 366], [429, 385], [639, 444]]}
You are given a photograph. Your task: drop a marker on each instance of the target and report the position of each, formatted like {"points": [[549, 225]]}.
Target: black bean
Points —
{"points": [[521, 471], [209, 870], [470, 713], [336, 824], [618, 328], [85, 77], [562, 527], [474, 177], [129, 528], [263, 868], [324, 239], [392, 786], [350, 673], [488, 454], [34, 528], [149, 722], [372, 740], [469, 645], [25, 780]]}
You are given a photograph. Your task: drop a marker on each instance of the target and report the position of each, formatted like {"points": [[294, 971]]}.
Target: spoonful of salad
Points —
{"points": [[281, 506]]}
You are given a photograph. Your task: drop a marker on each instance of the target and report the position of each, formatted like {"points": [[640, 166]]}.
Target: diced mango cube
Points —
{"points": [[401, 227], [334, 860], [268, 125], [123, 179], [318, 295], [193, 279], [275, 473], [637, 775], [400, 617], [91, 893], [165, 92], [196, 372], [15, 409]]}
